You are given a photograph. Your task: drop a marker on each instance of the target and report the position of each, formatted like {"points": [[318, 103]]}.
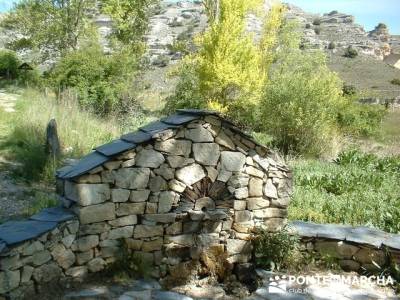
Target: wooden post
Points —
{"points": [[53, 147]]}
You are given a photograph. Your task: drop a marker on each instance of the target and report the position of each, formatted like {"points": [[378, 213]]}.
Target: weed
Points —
{"points": [[42, 200]]}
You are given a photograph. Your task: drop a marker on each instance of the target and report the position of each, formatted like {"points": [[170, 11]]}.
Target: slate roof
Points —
{"points": [[145, 134], [359, 235], [15, 232]]}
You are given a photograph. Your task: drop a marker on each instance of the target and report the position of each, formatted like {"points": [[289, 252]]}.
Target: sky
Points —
{"points": [[367, 12]]}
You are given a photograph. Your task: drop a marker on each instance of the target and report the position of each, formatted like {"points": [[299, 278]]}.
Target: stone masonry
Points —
{"points": [[178, 192]]}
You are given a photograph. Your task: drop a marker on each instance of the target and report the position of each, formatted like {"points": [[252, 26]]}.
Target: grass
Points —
{"points": [[390, 129], [79, 131], [358, 189]]}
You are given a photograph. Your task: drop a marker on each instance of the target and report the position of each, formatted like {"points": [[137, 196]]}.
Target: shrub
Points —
{"points": [[350, 52], [9, 63], [333, 12], [317, 21], [275, 250], [395, 81], [331, 46], [358, 189], [308, 26], [317, 30], [98, 80], [301, 103], [349, 90]]}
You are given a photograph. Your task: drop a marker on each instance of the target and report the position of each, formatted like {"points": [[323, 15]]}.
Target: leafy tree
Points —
{"points": [[9, 63], [50, 26], [130, 19], [100, 81], [229, 70]]}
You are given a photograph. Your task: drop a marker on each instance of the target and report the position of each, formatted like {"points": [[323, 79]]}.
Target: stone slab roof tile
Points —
{"points": [[87, 163], [129, 141], [15, 232], [115, 147], [53, 214]]}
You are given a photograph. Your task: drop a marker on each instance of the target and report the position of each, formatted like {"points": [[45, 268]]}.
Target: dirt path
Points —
{"points": [[7, 101]]}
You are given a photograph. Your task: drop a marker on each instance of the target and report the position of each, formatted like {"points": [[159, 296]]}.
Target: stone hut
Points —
{"points": [[184, 194]]}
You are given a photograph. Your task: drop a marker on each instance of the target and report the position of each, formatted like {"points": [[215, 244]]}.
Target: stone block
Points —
{"points": [[225, 140], [206, 153], [255, 187], [238, 247], [174, 147], [270, 190], [239, 205], [9, 280], [174, 229], [243, 216], [241, 193], [47, 273], [257, 203], [96, 265], [65, 258], [120, 195], [183, 239], [87, 194], [165, 171], [270, 213], [161, 218], [87, 242], [232, 161], [204, 204], [97, 213], [132, 178], [254, 171], [154, 245], [124, 221], [41, 257], [149, 158], [125, 209], [139, 196], [165, 201], [144, 231], [199, 135], [83, 257], [177, 186], [158, 184], [190, 174], [32, 248], [119, 233]]}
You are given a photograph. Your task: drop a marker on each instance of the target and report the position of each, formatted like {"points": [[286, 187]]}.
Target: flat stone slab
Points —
{"points": [[14, 232], [180, 119], [359, 235], [137, 137], [87, 163], [162, 295], [156, 127], [115, 147], [53, 214]]}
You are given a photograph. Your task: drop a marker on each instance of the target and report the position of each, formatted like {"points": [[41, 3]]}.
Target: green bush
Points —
{"points": [[395, 81], [9, 63], [317, 30], [331, 46], [358, 189], [301, 103], [360, 119], [317, 21], [275, 250], [349, 90], [308, 26], [99, 80], [350, 52]]}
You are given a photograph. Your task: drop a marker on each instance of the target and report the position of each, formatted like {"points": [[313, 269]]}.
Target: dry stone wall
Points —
{"points": [[185, 201]]}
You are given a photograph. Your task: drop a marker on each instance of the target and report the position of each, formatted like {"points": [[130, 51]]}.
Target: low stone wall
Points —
{"points": [[359, 249], [39, 250]]}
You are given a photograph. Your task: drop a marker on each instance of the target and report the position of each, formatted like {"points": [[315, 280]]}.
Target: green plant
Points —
{"points": [[317, 21], [274, 250], [42, 200], [331, 46], [350, 52], [349, 90], [99, 80], [308, 26], [317, 30], [395, 81], [300, 103], [357, 189], [9, 63], [130, 263]]}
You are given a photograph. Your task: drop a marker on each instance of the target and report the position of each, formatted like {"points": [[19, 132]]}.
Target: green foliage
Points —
{"points": [[52, 26], [317, 30], [100, 81], [130, 263], [275, 250], [42, 200], [79, 133], [301, 103], [360, 119], [349, 90], [350, 52], [308, 26], [358, 189], [9, 63], [395, 81], [317, 21], [331, 46], [130, 19]]}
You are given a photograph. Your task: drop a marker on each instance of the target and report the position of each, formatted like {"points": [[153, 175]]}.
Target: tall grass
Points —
{"points": [[358, 189], [79, 132]]}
